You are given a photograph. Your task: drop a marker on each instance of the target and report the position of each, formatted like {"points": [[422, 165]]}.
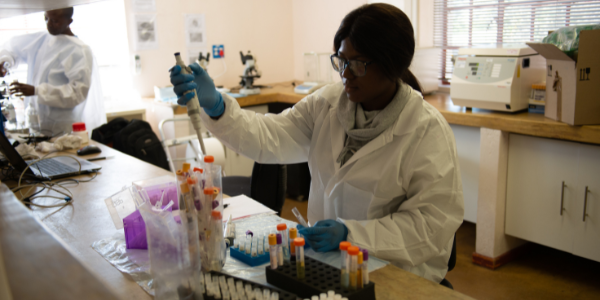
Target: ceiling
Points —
{"points": [[11, 8]]}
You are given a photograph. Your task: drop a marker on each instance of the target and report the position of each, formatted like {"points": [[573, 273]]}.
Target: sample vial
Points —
{"points": [[365, 267], [293, 235], [343, 267], [352, 267], [300, 267], [273, 250], [359, 280], [279, 250], [285, 243]]}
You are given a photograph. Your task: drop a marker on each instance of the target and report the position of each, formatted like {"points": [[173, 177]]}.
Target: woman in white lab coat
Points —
{"points": [[383, 161]]}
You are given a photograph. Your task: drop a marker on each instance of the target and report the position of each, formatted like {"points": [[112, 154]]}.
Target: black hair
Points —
{"points": [[383, 33], [68, 12]]}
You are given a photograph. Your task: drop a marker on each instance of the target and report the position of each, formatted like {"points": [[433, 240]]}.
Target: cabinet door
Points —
{"points": [[467, 146], [587, 233], [536, 169]]}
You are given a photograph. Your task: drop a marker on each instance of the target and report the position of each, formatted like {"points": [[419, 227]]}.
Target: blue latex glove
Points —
{"points": [[325, 235], [202, 85]]}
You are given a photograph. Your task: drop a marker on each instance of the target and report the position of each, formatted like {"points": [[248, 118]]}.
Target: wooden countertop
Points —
{"points": [[521, 122], [87, 220]]}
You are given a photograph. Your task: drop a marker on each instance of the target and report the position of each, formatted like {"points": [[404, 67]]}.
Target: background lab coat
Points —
{"points": [[400, 195], [64, 74]]}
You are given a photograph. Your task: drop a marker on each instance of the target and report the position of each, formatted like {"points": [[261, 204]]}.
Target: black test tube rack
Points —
{"points": [[283, 295], [319, 278]]}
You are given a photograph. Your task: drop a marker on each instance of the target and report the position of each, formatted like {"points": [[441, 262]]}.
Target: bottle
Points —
{"points": [[32, 118], [79, 130]]}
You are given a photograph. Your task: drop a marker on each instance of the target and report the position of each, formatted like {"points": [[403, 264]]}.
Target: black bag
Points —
{"points": [[135, 138], [105, 133], [121, 137], [145, 145]]}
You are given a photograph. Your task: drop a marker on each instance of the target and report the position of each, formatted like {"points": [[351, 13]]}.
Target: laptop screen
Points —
{"points": [[13, 157]]}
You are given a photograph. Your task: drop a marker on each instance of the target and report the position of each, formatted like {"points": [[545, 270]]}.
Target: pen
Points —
{"points": [[99, 158]]}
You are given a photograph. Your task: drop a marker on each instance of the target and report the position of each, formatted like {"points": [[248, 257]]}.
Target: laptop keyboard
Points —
{"points": [[50, 167]]}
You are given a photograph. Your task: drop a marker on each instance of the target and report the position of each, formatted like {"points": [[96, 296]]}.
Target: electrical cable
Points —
{"points": [[224, 69], [57, 186]]}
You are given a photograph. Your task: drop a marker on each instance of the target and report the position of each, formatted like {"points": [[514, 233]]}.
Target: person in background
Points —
{"points": [[383, 162], [62, 78]]}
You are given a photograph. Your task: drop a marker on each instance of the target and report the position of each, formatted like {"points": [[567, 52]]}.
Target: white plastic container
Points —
{"points": [[79, 130]]}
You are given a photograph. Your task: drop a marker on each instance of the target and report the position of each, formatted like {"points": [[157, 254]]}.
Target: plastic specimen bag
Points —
{"points": [[174, 259]]}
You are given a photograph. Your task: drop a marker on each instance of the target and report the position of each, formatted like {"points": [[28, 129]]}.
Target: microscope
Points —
{"points": [[250, 73], [203, 60]]}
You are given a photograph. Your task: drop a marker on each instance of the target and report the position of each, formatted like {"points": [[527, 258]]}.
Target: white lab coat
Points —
{"points": [[400, 195], [65, 77]]}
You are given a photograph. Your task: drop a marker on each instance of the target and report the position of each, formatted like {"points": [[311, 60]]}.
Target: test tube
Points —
{"points": [[258, 295], [254, 250], [322, 296], [266, 294], [343, 267], [314, 298], [216, 241], [279, 250], [248, 244], [359, 280], [330, 294], [275, 296], [273, 250], [353, 264], [208, 170], [285, 242], [261, 249], [242, 243], [239, 286], [293, 235], [301, 220], [365, 267], [266, 241], [299, 245]]}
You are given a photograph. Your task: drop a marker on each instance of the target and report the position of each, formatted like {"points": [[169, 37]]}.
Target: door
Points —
{"points": [[587, 233], [537, 168]]}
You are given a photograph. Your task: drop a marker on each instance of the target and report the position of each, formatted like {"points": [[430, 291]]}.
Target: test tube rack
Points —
{"points": [[320, 278], [283, 295], [247, 258]]}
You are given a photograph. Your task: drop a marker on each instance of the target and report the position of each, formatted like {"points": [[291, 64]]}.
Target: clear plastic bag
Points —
{"points": [[174, 259], [567, 38]]}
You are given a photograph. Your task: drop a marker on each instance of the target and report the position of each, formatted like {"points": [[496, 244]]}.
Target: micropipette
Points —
{"points": [[193, 106]]}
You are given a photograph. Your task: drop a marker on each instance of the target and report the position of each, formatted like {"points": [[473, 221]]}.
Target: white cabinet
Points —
{"points": [[545, 197], [468, 140]]}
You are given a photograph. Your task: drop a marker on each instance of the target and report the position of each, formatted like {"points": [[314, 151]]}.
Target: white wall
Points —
{"points": [[277, 32], [262, 26], [315, 24]]}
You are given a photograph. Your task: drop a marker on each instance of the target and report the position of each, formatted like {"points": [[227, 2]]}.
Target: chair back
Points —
{"points": [[268, 185]]}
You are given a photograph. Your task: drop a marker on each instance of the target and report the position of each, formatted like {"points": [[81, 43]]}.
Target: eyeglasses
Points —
{"points": [[357, 67]]}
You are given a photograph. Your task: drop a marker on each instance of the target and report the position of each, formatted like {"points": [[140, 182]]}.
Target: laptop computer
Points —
{"points": [[47, 169]]}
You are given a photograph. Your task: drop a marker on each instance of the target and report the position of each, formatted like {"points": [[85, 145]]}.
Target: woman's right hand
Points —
{"points": [[200, 83]]}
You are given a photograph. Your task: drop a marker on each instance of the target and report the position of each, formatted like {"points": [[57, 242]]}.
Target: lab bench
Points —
{"points": [[39, 246]]}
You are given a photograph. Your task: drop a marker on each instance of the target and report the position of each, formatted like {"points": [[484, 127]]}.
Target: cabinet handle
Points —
{"points": [[562, 197], [585, 203]]}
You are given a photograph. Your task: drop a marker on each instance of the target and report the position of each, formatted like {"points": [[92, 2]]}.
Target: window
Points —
{"points": [[101, 26], [466, 23]]}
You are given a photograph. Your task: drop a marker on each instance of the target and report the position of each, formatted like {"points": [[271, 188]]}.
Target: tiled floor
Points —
{"points": [[543, 273]]}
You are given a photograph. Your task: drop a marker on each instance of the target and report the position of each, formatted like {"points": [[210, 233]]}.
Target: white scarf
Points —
{"points": [[363, 126]]}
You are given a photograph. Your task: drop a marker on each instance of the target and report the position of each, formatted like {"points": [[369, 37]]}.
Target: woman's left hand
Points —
{"points": [[325, 235]]}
